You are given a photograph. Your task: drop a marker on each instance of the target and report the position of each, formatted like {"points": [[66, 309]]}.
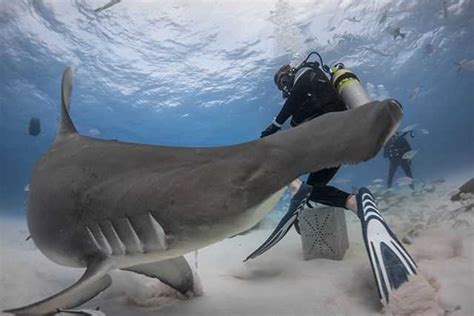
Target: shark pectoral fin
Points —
{"points": [[174, 272], [94, 281]]}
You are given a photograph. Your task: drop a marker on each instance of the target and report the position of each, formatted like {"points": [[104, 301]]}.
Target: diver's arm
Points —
{"points": [[288, 109], [295, 99]]}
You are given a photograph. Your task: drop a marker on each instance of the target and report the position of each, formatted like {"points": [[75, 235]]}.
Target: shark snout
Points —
{"points": [[395, 112]]}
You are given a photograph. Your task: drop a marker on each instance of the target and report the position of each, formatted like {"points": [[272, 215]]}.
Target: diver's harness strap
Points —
{"points": [[302, 68], [297, 204], [301, 71]]}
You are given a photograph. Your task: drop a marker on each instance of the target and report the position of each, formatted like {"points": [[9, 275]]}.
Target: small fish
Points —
{"points": [[377, 51], [428, 49], [353, 19], [35, 126], [409, 128], [383, 18], [86, 312], [438, 181], [378, 180], [396, 32], [409, 154], [404, 181], [466, 65], [27, 187], [424, 131], [342, 181], [414, 94], [107, 5], [445, 9], [94, 132]]}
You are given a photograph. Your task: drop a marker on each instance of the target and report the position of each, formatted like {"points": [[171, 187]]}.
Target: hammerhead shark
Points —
{"points": [[105, 204]]}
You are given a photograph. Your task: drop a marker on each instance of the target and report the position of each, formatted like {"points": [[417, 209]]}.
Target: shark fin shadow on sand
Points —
{"points": [[105, 205]]}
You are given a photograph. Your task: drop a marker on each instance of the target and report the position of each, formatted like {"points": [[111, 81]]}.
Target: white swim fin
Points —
{"points": [[391, 263]]}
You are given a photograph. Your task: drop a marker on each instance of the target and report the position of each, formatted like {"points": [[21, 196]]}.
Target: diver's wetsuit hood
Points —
{"points": [[286, 77]]}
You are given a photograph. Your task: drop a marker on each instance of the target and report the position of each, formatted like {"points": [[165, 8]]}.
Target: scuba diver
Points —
{"points": [[309, 94], [395, 149]]}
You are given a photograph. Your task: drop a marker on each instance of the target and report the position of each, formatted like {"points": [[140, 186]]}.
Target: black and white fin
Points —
{"points": [[391, 263], [92, 282], [174, 272], [66, 124], [297, 204]]}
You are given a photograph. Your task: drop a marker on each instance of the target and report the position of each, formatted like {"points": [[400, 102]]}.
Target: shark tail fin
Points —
{"points": [[94, 281], [66, 124]]}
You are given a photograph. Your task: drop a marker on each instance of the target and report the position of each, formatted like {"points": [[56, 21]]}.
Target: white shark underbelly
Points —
{"points": [[142, 238], [162, 246]]}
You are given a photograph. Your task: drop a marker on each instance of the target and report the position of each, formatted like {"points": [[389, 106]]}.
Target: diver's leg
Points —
{"points": [[391, 172], [406, 168], [321, 177], [328, 195]]}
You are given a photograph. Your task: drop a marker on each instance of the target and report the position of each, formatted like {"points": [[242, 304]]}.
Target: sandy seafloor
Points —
{"points": [[280, 282]]}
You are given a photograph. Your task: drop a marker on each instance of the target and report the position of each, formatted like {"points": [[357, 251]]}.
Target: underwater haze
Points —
{"points": [[200, 73]]}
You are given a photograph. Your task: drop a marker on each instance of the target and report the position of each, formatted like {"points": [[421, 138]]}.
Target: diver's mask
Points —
{"points": [[284, 78]]}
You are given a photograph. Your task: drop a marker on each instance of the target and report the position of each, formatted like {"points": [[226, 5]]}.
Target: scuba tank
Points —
{"points": [[344, 81], [348, 87]]}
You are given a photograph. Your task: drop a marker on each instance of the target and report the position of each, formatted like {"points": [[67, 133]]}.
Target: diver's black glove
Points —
{"points": [[271, 129]]}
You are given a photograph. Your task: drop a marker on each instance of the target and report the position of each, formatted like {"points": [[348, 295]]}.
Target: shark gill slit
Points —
{"points": [[105, 245], [158, 230], [114, 239], [135, 238], [92, 238]]}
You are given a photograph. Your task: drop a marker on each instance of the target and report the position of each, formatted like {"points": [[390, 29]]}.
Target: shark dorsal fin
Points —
{"points": [[66, 127]]}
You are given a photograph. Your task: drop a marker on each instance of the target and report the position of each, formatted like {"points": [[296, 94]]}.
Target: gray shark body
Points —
{"points": [[107, 205]]}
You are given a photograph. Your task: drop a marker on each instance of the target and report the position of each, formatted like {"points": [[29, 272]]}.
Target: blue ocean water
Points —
{"points": [[200, 73]]}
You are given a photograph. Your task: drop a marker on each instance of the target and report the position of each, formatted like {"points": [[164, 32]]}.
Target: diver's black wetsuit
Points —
{"points": [[396, 146], [311, 96]]}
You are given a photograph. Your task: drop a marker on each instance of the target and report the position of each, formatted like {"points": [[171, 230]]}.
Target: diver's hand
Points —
{"points": [[271, 129]]}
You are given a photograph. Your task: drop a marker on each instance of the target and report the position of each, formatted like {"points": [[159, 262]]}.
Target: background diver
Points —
{"points": [[395, 149], [309, 94]]}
